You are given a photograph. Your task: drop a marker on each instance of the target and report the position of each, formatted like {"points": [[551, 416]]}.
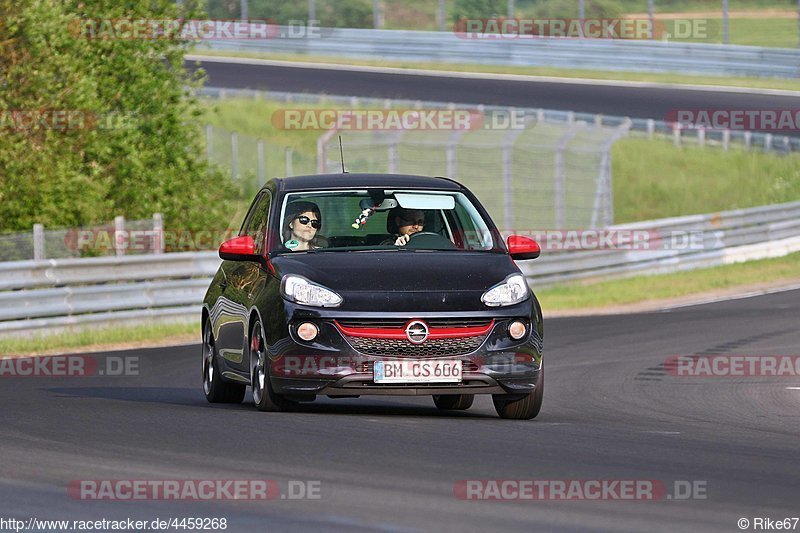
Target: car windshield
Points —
{"points": [[379, 219]]}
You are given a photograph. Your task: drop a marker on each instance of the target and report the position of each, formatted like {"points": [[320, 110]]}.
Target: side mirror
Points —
{"points": [[238, 249], [523, 247]]}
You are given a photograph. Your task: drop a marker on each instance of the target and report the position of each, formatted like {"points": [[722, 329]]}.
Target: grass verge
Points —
{"points": [[652, 288], [102, 338], [648, 77], [655, 179]]}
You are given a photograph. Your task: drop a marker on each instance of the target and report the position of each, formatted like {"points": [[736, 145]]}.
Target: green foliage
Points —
{"points": [[141, 155], [569, 9], [330, 13], [472, 9]]}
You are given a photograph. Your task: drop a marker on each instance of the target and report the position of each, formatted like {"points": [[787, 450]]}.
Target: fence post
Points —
{"points": [[38, 242], [288, 162], [676, 133], [119, 235], [394, 156], [748, 139], [701, 136], [377, 14], [235, 154], [726, 139], [651, 128], [260, 147], [508, 172], [157, 242], [560, 178], [767, 142]]}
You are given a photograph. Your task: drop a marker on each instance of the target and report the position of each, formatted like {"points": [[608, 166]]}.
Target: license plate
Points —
{"points": [[416, 371]]}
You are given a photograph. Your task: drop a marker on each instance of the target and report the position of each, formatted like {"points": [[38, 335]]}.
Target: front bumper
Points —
{"points": [[330, 365]]}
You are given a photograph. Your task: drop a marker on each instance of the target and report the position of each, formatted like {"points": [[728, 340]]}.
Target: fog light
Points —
{"points": [[307, 331], [517, 330]]}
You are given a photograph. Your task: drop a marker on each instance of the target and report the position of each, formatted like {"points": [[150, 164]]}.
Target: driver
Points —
{"points": [[402, 224]]}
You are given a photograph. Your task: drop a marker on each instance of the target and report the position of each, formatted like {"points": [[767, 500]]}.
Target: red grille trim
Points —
{"points": [[400, 333]]}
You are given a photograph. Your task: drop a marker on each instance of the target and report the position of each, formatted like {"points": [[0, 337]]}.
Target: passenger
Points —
{"points": [[303, 222], [402, 224]]}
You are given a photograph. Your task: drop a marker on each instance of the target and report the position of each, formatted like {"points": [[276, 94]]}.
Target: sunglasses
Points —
{"points": [[304, 220], [417, 222]]}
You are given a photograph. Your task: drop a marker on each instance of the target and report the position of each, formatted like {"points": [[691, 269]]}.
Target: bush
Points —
{"points": [[478, 9], [331, 13], [595, 9]]}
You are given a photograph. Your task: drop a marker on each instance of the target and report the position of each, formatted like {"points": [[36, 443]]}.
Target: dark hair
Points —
{"points": [[294, 210], [402, 212]]}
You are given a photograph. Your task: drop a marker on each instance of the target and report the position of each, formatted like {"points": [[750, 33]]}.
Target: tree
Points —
{"points": [[132, 148]]}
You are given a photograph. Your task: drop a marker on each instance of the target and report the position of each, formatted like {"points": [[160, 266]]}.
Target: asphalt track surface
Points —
{"points": [[611, 412], [640, 102]]}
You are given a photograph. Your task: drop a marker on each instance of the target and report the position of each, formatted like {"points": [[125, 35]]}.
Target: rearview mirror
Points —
{"points": [[523, 247], [238, 249]]}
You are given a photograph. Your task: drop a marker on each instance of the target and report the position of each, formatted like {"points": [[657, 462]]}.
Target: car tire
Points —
{"points": [[523, 408], [454, 402], [264, 398], [214, 387]]}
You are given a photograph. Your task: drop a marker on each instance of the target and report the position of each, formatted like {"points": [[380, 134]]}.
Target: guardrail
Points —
{"points": [[57, 293], [602, 54]]}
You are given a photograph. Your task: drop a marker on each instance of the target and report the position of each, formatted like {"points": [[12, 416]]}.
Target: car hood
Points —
{"points": [[402, 280]]}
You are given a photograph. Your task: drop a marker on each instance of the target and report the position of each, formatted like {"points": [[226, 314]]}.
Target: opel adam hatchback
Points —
{"points": [[348, 285]]}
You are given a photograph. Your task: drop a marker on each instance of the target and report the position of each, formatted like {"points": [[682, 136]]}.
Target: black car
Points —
{"points": [[357, 284]]}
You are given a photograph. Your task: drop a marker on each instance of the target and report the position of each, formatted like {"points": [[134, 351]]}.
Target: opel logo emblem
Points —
{"points": [[417, 331]]}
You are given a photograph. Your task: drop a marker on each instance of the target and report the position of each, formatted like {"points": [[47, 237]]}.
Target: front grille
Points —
{"points": [[405, 348]]}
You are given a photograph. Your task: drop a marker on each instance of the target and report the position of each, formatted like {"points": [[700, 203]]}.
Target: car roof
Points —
{"points": [[363, 181]]}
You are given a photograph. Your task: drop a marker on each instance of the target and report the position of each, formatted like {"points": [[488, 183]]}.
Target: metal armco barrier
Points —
{"points": [[597, 54], [58, 293]]}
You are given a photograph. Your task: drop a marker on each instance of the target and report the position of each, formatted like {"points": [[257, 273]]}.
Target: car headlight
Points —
{"points": [[299, 289], [512, 291]]}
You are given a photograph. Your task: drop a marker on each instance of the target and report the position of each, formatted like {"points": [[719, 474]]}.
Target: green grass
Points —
{"points": [[769, 32], [651, 288], [648, 77], [654, 179], [83, 338]]}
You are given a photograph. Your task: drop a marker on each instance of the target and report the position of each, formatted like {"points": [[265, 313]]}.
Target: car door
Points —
{"points": [[243, 280]]}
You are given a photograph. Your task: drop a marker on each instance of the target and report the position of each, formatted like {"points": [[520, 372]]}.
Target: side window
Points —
{"points": [[256, 222]]}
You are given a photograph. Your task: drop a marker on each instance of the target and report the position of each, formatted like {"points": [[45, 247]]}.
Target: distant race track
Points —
{"points": [[623, 100]]}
